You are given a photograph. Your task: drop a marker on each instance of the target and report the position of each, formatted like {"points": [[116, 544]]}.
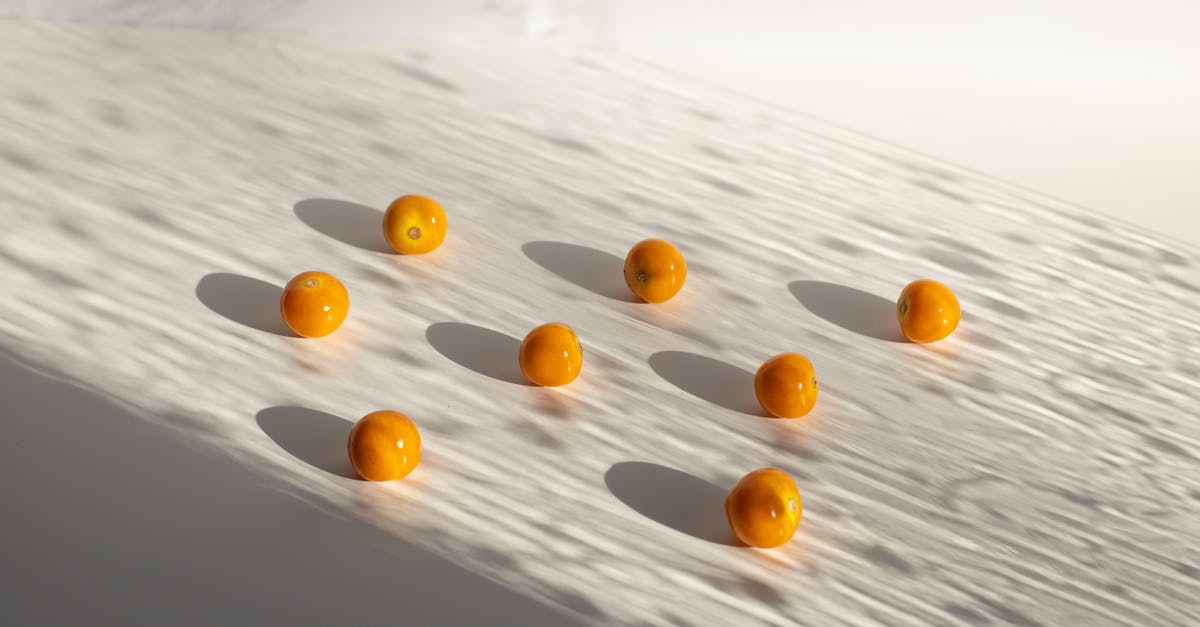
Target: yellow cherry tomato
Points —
{"points": [[384, 445], [414, 225], [786, 385], [655, 270], [764, 508], [314, 304], [551, 355], [927, 310]]}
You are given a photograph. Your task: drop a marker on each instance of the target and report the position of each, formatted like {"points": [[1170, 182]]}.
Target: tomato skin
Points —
{"points": [[927, 311], [414, 225], [786, 385], [384, 445], [655, 270], [551, 355], [764, 508], [314, 304]]}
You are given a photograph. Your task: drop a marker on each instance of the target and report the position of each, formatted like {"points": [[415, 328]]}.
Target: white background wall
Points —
{"points": [[1111, 38]]}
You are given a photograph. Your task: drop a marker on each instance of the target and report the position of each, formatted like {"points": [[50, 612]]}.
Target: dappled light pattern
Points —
{"points": [[1042, 463]]}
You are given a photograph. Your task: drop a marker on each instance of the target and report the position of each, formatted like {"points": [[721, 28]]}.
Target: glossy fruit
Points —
{"points": [[551, 355], [314, 304], [764, 508], [927, 310], [414, 225], [384, 445], [786, 385], [655, 270]]}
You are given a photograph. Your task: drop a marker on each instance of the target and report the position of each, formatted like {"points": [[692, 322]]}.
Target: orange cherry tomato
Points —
{"points": [[927, 310], [655, 270], [764, 508], [314, 304], [551, 355], [414, 225], [384, 445], [786, 385]]}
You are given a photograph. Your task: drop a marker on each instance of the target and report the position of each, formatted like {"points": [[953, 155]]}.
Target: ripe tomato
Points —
{"points": [[655, 270], [551, 355], [927, 310], [384, 445], [414, 225], [786, 385], [314, 304], [764, 508]]}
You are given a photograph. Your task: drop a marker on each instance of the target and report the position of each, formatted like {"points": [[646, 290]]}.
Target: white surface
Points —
{"points": [[1126, 148], [1020, 107], [1042, 464], [112, 520], [1111, 38]]}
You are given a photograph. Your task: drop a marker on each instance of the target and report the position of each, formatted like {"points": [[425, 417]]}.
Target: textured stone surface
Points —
{"points": [[1043, 465]]}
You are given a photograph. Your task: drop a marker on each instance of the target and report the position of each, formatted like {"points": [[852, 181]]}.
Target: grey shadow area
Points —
{"points": [[138, 524], [683, 502], [709, 379], [347, 222], [490, 353], [314, 437], [244, 300], [594, 270], [850, 308]]}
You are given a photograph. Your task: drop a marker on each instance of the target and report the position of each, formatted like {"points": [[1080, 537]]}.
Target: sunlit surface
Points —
{"points": [[161, 186]]}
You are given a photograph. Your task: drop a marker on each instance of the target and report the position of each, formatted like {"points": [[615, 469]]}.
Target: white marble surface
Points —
{"points": [[171, 455]]}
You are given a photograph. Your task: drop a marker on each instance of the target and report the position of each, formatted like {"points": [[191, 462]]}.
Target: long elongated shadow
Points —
{"points": [[244, 300], [312, 436], [683, 502], [347, 222], [712, 380], [490, 353], [850, 308], [593, 270]]}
